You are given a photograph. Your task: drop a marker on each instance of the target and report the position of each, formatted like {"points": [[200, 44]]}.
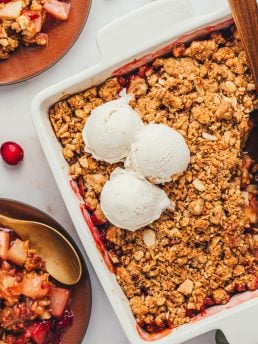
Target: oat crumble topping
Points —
{"points": [[204, 251]]}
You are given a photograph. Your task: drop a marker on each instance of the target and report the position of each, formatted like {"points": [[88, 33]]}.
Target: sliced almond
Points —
{"points": [[209, 137], [186, 287], [138, 255], [83, 162], [161, 301], [172, 206], [198, 185], [245, 196], [149, 238]]}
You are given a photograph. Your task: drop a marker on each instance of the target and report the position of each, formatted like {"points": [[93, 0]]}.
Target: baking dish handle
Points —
{"points": [[241, 327], [147, 26]]}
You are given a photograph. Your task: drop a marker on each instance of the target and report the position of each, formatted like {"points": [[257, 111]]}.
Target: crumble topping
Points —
{"points": [[205, 250]]}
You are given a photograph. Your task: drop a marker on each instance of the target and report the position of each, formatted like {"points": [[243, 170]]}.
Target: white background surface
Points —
{"points": [[32, 181]]}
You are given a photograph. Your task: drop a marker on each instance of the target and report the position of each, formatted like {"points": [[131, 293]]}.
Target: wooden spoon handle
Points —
{"points": [[245, 14]]}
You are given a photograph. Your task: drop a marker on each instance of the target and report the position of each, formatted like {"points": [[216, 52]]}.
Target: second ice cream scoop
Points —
{"points": [[131, 202], [158, 153], [110, 130]]}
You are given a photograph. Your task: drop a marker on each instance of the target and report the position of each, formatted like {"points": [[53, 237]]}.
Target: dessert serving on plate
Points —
{"points": [[34, 307], [23, 22], [202, 247]]}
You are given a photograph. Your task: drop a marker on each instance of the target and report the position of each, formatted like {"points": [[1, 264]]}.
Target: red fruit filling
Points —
{"points": [[59, 298], [39, 331]]}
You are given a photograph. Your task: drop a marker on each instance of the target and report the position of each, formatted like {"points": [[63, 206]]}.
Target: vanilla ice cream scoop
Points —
{"points": [[110, 130], [131, 202], [158, 153]]}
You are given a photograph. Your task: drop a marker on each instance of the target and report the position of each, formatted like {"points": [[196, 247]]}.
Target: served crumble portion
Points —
{"points": [[206, 250], [23, 22], [33, 308]]}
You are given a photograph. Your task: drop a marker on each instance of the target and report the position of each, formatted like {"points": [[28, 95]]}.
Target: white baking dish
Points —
{"points": [[139, 35]]}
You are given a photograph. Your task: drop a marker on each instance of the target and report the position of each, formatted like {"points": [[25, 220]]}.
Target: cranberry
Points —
{"points": [[12, 152]]}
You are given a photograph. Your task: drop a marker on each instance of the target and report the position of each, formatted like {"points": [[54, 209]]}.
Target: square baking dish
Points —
{"points": [[126, 44]]}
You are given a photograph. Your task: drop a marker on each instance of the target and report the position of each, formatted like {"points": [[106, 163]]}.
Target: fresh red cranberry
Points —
{"points": [[4, 1], [12, 152]]}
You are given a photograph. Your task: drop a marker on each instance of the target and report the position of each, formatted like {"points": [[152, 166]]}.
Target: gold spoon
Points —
{"points": [[61, 259]]}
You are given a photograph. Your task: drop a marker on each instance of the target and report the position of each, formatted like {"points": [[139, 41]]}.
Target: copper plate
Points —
{"points": [[27, 62], [81, 292]]}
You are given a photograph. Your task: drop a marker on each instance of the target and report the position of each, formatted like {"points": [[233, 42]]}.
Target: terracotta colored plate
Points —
{"points": [[26, 62], [81, 292]]}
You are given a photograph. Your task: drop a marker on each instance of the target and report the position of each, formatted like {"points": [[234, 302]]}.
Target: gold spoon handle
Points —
{"points": [[6, 221], [245, 14], [61, 259]]}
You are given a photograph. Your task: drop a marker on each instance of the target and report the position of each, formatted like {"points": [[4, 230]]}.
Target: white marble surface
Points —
{"points": [[32, 181]]}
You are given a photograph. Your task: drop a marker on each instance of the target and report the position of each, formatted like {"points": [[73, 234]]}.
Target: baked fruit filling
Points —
{"points": [[207, 249], [34, 309]]}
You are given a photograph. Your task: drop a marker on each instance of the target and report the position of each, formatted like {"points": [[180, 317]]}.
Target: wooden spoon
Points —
{"points": [[61, 259], [245, 14]]}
